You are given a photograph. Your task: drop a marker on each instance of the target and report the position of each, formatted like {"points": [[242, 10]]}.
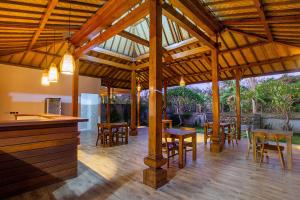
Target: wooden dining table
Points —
{"points": [[116, 126], [181, 135], [272, 134]]}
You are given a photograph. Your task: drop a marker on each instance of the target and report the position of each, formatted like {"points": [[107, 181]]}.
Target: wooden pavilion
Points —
{"points": [[155, 43]]}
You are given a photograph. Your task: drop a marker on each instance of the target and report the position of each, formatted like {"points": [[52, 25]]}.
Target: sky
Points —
{"points": [[261, 78]]}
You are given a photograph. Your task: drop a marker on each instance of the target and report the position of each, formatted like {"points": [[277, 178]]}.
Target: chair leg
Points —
{"points": [[168, 155], [205, 138], [262, 153], [248, 151], [280, 154]]}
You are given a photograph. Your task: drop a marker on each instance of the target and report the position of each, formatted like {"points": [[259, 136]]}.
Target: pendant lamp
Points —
{"points": [[53, 71], [182, 82], [45, 80], [67, 64], [139, 87]]}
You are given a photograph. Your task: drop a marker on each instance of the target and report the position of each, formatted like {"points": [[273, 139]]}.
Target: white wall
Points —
{"points": [[21, 91]]}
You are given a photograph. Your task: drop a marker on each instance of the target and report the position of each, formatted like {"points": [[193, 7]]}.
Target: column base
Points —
{"points": [[216, 146], [155, 177], [133, 132]]}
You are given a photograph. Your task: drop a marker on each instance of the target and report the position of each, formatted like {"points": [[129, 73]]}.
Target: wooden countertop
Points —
{"points": [[42, 119]]}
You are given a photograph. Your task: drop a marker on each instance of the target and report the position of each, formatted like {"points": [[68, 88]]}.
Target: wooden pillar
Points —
{"points": [[139, 107], [75, 89], [155, 176], [238, 103], [108, 104], [216, 145], [133, 130], [165, 98]]}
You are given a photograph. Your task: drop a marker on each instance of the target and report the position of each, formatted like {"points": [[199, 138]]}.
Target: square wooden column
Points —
{"points": [[75, 82], [108, 104], [133, 130], [155, 176], [216, 145], [165, 98], [238, 103]]}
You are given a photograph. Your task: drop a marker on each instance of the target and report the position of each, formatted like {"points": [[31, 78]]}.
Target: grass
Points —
{"points": [[295, 138]]}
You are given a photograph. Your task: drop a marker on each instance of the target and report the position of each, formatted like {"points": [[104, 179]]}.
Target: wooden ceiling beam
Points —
{"points": [[269, 20], [198, 14], [104, 17], [176, 56], [105, 62], [182, 21], [49, 10], [171, 47], [135, 15], [113, 54], [262, 16], [262, 38], [134, 38]]}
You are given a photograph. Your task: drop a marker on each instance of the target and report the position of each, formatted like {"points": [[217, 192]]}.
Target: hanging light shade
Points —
{"points": [[139, 87], [45, 79], [67, 64], [182, 82], [53, 73]]}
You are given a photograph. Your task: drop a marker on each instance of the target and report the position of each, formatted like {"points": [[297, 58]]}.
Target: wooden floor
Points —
{"points": [[116, 173]]}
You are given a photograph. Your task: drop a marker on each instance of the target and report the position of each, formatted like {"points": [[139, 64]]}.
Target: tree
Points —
{"points": [[283, 96], [184, 99]]}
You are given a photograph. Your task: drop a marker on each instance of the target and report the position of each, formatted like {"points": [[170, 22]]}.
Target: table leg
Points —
{"points": [[289, 152], [170, 124], [173, 151], [126, 135], [117, 136], [205, 134], [194, 141], [228, 135], [180, 152], [254, 147], [223, 135]]}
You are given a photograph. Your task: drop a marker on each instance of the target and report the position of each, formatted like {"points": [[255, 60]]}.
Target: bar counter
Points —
{"points": [[37, 152]]}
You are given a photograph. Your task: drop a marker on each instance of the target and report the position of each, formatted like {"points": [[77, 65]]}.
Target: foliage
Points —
{"points": [[184, 99]]}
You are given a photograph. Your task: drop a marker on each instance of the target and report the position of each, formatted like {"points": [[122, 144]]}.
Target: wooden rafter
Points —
{"points": [[49, 10], [134, 38], [128, 20], [197, 13], [182, 21], [262, 16], [105, 16], [114, 54]]}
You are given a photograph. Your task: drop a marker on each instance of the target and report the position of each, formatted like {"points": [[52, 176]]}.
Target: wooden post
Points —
{"points": [[238, 103], [216, 145], [139, 107], [165, 98], [133, 130], [75, 89], [108, 105], [155, 176]]}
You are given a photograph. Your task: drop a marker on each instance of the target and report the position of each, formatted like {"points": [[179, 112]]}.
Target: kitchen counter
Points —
{"points": [[37, 152]]}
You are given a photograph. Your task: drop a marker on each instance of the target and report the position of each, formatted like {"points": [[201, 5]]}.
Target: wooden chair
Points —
{"points": [[121, 134], [169, 147], [188, 146], [103, 135], [232, 134], [207, 132], [265, 147]]}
